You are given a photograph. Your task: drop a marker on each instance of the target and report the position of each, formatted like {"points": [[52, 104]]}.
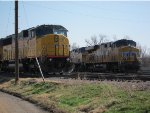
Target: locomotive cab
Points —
{"points": [[52, 47], [48, 43], [127, 50], [128, 54]]}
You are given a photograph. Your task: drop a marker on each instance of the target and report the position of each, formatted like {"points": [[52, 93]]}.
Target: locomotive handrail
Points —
{"points": [[40, 69]]}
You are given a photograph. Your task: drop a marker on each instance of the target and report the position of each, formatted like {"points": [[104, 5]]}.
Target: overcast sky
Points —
{"points": [[82, 19]]}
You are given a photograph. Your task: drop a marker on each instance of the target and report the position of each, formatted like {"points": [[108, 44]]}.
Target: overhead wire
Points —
{"points": [[8, 19], [109, 9], [25, 13], [57, 10], [82, 14]]}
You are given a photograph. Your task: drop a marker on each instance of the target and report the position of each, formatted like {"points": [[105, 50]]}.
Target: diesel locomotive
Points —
{"points": [[119, 56], [48, 43]]}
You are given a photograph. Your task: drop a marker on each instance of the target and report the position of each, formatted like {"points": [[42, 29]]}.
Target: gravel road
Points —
{"points": [[11, 104]]}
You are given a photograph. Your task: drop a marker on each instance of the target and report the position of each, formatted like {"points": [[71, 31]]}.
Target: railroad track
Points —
{"points": [[103, 76], [145, 70], [89, 76]]}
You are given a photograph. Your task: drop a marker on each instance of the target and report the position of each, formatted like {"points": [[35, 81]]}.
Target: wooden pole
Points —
{"points": [[16, 43]]}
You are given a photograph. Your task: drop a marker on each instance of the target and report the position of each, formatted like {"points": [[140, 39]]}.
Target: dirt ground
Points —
{"points": [[11, 104]]}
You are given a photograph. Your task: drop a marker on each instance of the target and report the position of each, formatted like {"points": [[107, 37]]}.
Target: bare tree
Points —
{"points": [[94, 40], [88, 43], [102, 38], [144, 54], [148, 52], [142, 50]]}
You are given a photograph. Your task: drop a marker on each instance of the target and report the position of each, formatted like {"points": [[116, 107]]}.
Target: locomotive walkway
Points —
{"points": [[11, 104]]}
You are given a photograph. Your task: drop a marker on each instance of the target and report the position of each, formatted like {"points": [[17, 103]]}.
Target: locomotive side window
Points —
{"points": [[56, 38], [110, 45], [32, 34], [25, 33]]}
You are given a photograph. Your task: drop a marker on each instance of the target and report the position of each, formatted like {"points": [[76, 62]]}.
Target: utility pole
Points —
{"points": [[16, 43]]}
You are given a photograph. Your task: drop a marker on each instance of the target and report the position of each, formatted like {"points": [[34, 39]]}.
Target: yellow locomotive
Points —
{"points": [[119, 56], [48, 43]]}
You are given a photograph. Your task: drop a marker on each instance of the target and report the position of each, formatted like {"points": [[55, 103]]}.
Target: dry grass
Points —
{"points": [[75, 96]]}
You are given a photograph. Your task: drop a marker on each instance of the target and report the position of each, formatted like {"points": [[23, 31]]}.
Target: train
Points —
{"points": [[118, 56], [48, 43]]}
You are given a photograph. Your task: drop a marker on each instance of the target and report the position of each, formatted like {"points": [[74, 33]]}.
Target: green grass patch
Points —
{"points": [[137, 102], [39, 88], [82, 97], [73, 101]]}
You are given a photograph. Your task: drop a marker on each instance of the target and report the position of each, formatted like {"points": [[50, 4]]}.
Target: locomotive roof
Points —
{"points": [[82, 49], [59, 27], [51, 26], [41, 30], [7, 40], [124, 42]]}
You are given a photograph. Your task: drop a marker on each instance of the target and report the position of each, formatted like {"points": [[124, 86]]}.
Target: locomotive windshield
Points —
{"points": [[40, 31], [130, 53], [125, 42], [62, 32]]}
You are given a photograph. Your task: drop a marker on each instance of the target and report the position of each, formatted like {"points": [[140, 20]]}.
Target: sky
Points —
{"points": [[83, 19]]}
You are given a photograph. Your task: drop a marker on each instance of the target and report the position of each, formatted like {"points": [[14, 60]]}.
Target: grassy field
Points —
{"points": [[76, 96]]}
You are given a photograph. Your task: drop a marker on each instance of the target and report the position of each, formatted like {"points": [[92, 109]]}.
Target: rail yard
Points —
{"points": [[81, 96], [39, 64], [46, 48]]}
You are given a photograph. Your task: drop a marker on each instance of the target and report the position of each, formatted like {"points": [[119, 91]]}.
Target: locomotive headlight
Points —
{"points": [[50, 59]]}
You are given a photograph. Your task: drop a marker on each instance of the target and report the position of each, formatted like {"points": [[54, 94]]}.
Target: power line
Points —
{"points": [[8, 20], [25, 13], [84, 14]]}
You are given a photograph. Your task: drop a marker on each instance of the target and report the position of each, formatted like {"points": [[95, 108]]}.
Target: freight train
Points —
{"points": [[48, 43], [119, 56]]}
